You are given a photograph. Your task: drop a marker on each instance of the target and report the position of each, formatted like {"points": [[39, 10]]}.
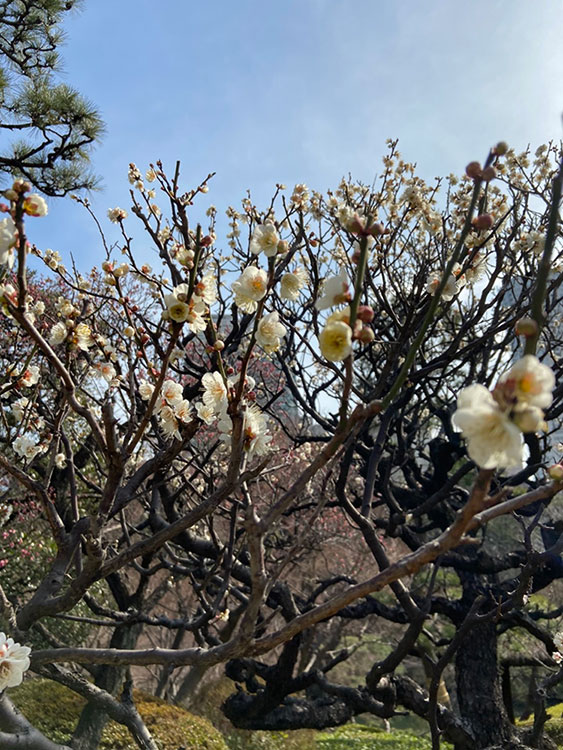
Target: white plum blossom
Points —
{"points": [[450, 289], [265, 239], [14, 661], [493, 440], [270, 332], [215, 391], [183, 410], [292, 283], [107, 371], [146, 390], [117, 214], [30, 376], [60, 461], [256, 434], [206, 289], [177, 304], [172, 392], [26, 447], [35, 205], [335, 340], [168, 422], [204, 412], [335, 291], [7, 241], [250, 288], [19, 408], [529, 381]]}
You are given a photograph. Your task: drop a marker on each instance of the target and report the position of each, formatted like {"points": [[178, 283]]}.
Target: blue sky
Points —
{"points": [[303, 91]]}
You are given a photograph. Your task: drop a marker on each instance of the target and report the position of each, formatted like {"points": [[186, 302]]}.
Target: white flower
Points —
{"points": [[269, 332], [172, 392], [448, 292], [117, 214], [82, 337], [35, 205], [265, 239], [335, 341], [19, 408], [145, 390], [204, 412], [250, 288], [14, 661], [168, 422], [558, 640], [529, 381], [26, 447], [335, 291], [256, 437], [30, 376], [492, 439], [292, 283], [60, 460], [178, 309], [206, 289], [107, 371], [182, 410], [58, 334], [7, 241], [215, 391]]}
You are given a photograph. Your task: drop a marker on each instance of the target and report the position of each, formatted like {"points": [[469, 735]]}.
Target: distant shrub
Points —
{"points": [[54, 710]]}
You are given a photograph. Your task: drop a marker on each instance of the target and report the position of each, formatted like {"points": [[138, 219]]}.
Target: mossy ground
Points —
{"points": [[54, 710]]}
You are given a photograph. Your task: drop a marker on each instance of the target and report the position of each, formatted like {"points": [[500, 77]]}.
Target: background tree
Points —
{"points": [[238, 451], [47, 128]]}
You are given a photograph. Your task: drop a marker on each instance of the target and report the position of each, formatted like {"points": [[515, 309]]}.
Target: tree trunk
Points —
{"points": [[93, 719], [479, 693]]}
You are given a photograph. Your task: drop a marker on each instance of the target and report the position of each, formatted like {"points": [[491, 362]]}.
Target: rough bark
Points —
{"points": [[479, 694]]}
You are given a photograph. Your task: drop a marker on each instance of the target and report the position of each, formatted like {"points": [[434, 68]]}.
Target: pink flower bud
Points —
{"points": [[473, 170], [376, 229], [489, 173], [365, 313], [483, 221]]}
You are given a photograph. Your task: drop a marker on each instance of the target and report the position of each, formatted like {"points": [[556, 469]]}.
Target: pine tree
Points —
{"points": [[47, 129]]}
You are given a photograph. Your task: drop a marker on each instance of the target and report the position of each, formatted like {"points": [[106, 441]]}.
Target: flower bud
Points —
{"points": [[489, 173], [219, 345], [365, 313], [206, 241], [526, 327], [355, 257], [483, 221], [366, 336], [21, 186], [11, 195], [376, 229], [501, 148], [355, 225], [283, 247], [555, 472], [473, 170]]}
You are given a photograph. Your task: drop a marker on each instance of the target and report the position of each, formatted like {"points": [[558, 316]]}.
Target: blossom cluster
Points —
{"points": [[14, 661], [493, 422]]}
